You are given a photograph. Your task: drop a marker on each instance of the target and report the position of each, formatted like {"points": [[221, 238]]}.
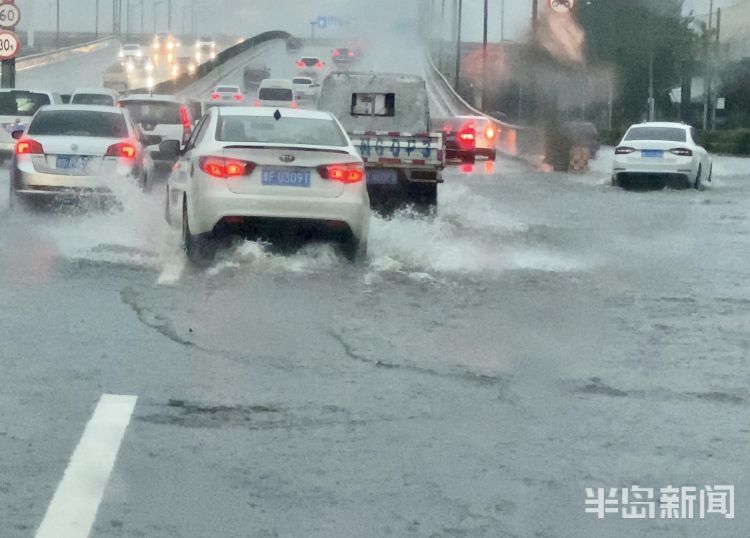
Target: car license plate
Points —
{"points": [[286, 177], [652, 153], [71, 162], [382, 177]]}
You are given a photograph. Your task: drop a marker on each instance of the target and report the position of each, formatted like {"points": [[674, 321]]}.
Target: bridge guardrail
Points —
{"points": [[523, 142], [25, 62]]}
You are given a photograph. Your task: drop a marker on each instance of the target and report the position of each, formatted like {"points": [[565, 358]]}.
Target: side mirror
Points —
{"points": [[17, 134], [170, 148], [151, 140]]}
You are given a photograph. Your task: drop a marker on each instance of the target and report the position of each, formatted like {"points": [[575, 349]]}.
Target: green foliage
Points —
{"points": [[736, 142], [736, 89], [625, 34]]}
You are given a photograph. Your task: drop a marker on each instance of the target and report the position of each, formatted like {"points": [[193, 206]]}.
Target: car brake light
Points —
{"points": [[467, 138], [294, 104], [345, 173], [337, 53], [489, 133], [186, 127], [257, 102], [223, 168], [300, 64], [215, 96], [682, 152], [26, 146], [319, 65], [238, 97], [351, 53], [623, 150], [125, 150]]}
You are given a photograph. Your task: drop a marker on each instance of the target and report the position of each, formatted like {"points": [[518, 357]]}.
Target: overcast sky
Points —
{"points": [[248, 17]]}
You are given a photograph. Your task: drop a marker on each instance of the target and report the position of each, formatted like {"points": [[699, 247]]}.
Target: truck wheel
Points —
{"points": [[353, 249]]}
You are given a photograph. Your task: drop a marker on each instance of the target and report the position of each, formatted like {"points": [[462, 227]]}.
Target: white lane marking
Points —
{"points": [[73, 508]]}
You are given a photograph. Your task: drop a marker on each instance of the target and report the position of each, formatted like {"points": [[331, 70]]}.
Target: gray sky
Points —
{"points": [[249, 17]]}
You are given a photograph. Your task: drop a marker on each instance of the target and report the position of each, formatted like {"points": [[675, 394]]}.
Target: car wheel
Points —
{"points": [[698, 184], [199, 249], [614, 181], [167, 209], [354, 250], [492, 155]]}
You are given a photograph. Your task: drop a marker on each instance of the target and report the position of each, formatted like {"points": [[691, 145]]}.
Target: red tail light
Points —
{"points": [[490, 133], [224, 168], [238, 97], [257, 102], [125, 150], [215, 96], [301, 64], [319, 65], [294, 104], [682, 152], [351, 53], [26, 146], [337, 53], [345, 173], [186, 126], [467, 138], [623, 150]]}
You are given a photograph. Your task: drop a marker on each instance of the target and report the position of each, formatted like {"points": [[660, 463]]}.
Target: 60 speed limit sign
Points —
{"points": [[10, 45], [10, 15]]}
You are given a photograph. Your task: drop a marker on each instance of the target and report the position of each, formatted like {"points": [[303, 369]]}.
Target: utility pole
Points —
{"points": [[484, 56], [57, 25], [718, 51], [651, 101], [442, 28], [142, 9], [96, 20], [127, 20], [458, 43], [502, 20], [534, 17], [707, 74], [169, 16]]}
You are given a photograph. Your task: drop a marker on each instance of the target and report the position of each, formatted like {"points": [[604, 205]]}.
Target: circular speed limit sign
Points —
{"points": [[10, 15], [10, 45], [561, 6]]}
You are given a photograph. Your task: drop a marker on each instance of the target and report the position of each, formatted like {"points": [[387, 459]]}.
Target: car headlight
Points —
{"points": [[130, 66], [170, 46], [150, 82], [139, 54], [149, 67]]}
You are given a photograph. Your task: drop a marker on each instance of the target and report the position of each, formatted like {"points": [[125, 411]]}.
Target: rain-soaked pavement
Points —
{"points": [[543, 333]]}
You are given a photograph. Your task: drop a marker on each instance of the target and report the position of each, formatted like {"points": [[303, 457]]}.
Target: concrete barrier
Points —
{"points": [[27, 62]]}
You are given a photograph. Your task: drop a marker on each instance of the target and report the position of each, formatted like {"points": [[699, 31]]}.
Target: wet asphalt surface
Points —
{"points": [[541, 334]]}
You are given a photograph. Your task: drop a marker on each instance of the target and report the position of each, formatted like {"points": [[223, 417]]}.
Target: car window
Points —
{"points": [[158, 112], [228, 89], [310, 62], [302, 81], [311, 131], [92, 99], [275, 94], [21, 103], [373, 104], [667, 134], [79, 123]]}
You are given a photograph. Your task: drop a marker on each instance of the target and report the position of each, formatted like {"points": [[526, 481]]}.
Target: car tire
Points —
{"points": [[353, 249], [697, 184], [710, 173], [199, 249], [615, 182], [492, 155], [167, 209]]}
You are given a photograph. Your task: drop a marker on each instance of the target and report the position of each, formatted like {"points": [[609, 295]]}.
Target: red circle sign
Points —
{"points": [[10, 15], [10, 45], [561, 6]]}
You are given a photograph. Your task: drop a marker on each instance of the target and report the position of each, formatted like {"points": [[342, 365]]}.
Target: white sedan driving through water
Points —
{"points": [[257, 170], [666, 152]]}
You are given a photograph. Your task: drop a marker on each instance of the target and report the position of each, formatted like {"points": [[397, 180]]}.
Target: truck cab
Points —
{"points": [[387, 117]]}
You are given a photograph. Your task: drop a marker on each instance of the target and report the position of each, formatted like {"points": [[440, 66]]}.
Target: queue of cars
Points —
{"points": [[235, 168]]}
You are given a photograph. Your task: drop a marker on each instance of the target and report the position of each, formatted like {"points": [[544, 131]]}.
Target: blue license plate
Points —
{"points": [[382, 177], [652, 153], [71, 162], [286, 177]]}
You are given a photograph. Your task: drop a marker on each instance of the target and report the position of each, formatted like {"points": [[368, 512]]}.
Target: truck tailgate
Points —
{"points": [[400, 150]]}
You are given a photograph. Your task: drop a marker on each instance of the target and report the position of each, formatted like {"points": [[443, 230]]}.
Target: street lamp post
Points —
{"points": [[96, 20], [458, 42], [57, 25], [484, 56], [156, 4]]}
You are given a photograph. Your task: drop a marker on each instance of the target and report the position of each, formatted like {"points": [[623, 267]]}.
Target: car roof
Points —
{"points": [[25, 90], [83, 108], [150, 97], [310, 58], [269, 111], [276, 83], [662, 124], [126, 45], [226, 86], [96, 91]]}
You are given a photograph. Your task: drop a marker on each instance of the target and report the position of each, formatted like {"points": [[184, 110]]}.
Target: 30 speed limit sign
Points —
{"points": [[561, 6], [10, 45], [10, 15]]}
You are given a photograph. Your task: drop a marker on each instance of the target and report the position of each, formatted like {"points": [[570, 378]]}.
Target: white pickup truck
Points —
{"points": [[387, 117]]}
